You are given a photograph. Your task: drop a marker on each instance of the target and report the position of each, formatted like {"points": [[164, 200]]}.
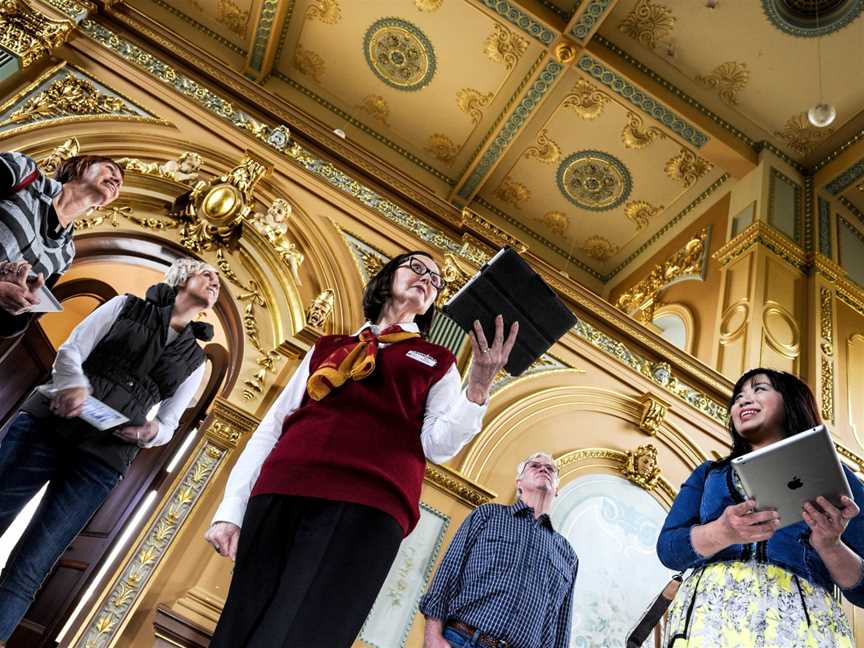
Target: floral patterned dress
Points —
{"points": [[756, 605]]}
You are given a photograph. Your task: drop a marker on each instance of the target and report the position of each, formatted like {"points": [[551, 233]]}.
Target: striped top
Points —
{"points": [[29, 228]]}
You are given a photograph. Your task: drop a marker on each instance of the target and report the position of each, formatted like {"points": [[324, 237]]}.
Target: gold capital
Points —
{"points": [[29, 34]]}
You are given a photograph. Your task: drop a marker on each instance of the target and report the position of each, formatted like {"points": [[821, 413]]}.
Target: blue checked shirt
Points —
{"points": [[509, 575]]}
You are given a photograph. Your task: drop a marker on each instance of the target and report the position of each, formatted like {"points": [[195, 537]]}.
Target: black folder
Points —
{"points": [[508, 286]]}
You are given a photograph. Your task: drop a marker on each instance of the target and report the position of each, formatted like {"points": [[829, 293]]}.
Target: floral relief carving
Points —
{"points": [[585, 100], [556, 221], [649, 23], [546, 151], [503, 46], [687, 167], [640, 212], [802, 136], [728, 79], [308, 63], [510, 191], [442, 148], [470, 101], [636, 135], [600, 248], [325, 11], [376, 107], [232, 16]]}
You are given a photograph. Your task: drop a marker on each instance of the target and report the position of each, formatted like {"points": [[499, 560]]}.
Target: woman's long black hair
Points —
{"points": [[799, 407], [378, 292]]}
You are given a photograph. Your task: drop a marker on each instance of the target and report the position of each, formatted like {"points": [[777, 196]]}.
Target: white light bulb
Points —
{"points": [[822, 115], [339, 133]]}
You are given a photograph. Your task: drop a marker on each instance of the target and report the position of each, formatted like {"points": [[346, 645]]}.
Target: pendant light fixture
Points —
{"points": [[822, 114]]}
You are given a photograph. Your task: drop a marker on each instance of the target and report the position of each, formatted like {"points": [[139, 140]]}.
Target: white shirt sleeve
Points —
{"points": [[245, 472], [172, 408], [68, 370], [451, 420]]}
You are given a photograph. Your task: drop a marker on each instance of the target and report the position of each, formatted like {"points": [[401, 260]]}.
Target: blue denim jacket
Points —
{"points": [[705, 495]]}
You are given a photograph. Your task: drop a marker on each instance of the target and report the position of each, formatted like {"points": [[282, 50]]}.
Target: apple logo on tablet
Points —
{"points": [[795, 483]]}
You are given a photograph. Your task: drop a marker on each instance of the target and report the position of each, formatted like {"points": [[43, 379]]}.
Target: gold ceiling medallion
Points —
{"points": [[565, 52], [442, 148], [599, 248], [212, 214], [801, 136], [641, 300], [51, 162], [728, 79], [232, 16], [640, 212], [649, 23], [636, 136], [428, 5], [586, 100], [687, 167], [512, 192], [184, 169], [321, 309], [29, 34], [66, 97], [376, 107], [546, 151], [503, 46], [641, 467], [325, 11], [400, 54], [556, 221], [470, 101], [594, 180], [308, 63]]}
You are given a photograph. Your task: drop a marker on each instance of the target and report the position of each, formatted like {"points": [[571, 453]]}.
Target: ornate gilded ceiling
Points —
{"points": [[593, 130]]}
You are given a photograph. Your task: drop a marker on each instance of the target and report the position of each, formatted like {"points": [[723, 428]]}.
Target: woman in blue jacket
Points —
{"points": [[752, 583]]}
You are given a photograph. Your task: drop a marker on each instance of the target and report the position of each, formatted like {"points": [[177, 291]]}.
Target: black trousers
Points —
{"points": [[307, 573]]}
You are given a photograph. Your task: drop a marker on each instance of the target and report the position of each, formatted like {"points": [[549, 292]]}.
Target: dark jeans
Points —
{"points": [[457, 639], [31, 455]]}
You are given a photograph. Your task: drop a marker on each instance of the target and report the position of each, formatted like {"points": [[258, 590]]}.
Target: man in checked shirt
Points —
{"points": [[507, 578]]}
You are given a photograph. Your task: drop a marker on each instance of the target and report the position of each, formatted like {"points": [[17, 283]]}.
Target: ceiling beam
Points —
{"points": [[587, 19], [265, 40]]}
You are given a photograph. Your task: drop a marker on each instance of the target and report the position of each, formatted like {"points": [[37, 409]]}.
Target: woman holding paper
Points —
{"points": [[37, 216], [129, 354], [754, 584], [329, 483]]}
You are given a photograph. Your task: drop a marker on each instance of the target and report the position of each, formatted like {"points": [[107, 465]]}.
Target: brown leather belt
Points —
{"points": [[482, 639]]}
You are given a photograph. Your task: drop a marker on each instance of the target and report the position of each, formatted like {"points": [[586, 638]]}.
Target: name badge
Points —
{"points": [[422, 357]]}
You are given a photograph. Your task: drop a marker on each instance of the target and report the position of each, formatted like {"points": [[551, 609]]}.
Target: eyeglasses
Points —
{"points": [[537, 465], [420, 268]]}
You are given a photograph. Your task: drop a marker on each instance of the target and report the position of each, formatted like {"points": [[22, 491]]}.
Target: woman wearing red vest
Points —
{"points": [[329, 483]]}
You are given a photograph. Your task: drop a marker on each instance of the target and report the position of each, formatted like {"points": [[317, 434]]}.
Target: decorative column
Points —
{"points": [[27, 36]]}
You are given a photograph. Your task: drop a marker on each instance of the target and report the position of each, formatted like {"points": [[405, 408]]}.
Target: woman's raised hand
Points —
{"points": [[488, 360]]}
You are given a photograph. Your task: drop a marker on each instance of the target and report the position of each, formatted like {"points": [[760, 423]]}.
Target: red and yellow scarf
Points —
{"points": [[354, 360]]}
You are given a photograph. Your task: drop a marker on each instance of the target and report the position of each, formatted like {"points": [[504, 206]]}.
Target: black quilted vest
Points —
{"points": [[132, 368]]}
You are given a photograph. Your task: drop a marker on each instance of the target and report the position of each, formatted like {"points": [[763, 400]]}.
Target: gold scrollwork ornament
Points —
{"points": [[51, 162], [642, 468], [321, 309]]}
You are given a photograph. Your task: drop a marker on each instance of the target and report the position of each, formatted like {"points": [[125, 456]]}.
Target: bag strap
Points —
{"points": [[683, 634], [29, 179]]}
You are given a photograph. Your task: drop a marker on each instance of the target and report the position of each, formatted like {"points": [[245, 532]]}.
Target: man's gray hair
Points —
{"points": [[545, 455], [181, 269]]}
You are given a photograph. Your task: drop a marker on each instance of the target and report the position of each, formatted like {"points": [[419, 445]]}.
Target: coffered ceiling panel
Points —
{"points": [[753, 62], [593, 178], [423, 78]]}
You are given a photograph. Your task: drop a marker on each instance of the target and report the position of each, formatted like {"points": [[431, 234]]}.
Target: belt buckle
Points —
{"points": [[500, 643]]}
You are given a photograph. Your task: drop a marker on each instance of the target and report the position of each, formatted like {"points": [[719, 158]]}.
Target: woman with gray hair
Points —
{"points": [[130, 354]]}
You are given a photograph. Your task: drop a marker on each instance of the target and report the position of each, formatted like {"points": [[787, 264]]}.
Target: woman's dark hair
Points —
{"points": [[378, 292], [76, 166], [800, 411]]}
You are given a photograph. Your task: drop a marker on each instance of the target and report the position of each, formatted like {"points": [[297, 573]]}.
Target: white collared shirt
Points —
{"points": [[450, 421]]}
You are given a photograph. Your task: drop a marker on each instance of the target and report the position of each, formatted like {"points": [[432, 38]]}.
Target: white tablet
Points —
{"points": [[47, 302], [790, 472], [100, 415]]}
